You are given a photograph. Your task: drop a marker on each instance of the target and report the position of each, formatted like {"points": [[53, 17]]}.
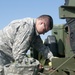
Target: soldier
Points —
{"points": [[20, 35]]}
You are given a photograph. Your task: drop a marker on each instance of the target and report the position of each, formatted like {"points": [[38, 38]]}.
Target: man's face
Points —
{"points": [[42, 27]]}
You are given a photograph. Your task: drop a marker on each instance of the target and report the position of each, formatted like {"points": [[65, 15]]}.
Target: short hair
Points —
{"points": [[49, 18]]}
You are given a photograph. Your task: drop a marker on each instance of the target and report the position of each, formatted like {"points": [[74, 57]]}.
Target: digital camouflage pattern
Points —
{"points": [[17, 38]]}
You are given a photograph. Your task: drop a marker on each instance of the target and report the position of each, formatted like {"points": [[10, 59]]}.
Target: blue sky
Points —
{"points": [[17, 9]]}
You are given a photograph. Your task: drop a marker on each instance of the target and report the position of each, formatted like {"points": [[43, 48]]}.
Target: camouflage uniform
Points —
{"points": [[17, 38]]}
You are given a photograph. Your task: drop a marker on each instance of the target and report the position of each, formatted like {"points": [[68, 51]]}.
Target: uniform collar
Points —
{"points": [[35, 28]]}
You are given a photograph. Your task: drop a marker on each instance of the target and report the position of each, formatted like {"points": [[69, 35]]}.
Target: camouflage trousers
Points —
{"points": [[21, 68], [26, 67]]}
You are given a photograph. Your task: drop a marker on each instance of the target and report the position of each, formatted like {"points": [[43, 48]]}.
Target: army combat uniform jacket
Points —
{"points": [[19, 36]]}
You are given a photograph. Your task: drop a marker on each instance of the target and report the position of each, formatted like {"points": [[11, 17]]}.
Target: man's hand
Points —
{"points": [[41, 68]]}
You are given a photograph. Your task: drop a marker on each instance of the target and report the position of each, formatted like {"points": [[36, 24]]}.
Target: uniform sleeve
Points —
{"points": [[44, 50], [21, 42]]}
